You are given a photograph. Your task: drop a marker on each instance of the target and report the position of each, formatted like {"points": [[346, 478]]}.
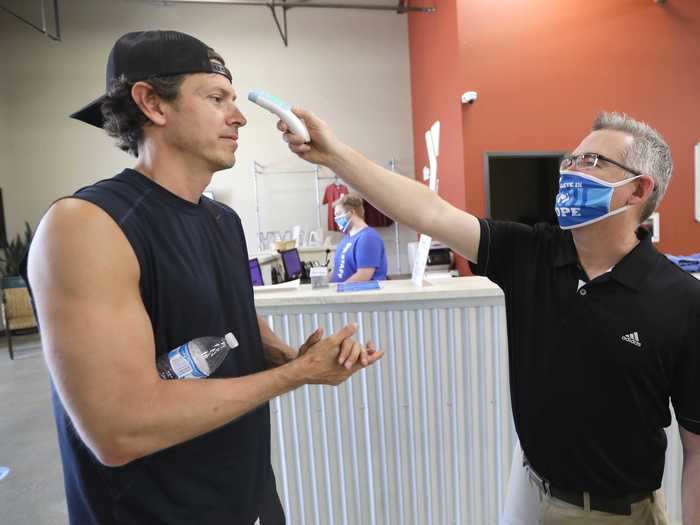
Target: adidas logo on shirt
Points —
{"points": [[632, 338]]}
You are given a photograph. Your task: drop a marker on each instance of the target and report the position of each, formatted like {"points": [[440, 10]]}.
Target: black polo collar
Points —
{"points": [[631, 271], [636, 266]]}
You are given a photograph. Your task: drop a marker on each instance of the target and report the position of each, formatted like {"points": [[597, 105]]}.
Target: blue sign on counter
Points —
{"points": [[358, 286]]}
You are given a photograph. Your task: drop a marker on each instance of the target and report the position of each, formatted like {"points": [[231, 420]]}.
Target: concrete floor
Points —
{"points": [[32, 493]]}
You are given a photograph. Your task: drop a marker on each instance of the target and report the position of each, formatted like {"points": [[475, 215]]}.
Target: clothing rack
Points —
{"points": [[392, 168]]}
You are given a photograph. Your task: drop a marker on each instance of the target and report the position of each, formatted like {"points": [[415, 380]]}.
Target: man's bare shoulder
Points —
{"points": [[74, 210], [78, 238]]}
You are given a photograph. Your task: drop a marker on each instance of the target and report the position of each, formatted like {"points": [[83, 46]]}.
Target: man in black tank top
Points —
{"points": [[136, 265]]}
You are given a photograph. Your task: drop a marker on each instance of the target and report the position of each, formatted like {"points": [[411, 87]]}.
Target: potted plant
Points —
{"points": [[14, 252]]}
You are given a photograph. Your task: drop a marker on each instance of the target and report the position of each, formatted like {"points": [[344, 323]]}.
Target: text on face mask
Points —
{"points": [[567, 212]]}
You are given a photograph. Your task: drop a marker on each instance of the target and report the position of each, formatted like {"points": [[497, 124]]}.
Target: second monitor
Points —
{"points": [[291, 261]]}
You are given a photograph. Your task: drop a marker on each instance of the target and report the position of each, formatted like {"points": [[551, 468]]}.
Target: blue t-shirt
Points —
{"points": [[365, 249]]}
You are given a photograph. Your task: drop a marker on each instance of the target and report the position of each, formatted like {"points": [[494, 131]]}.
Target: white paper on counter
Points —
{"points": [[421, 259], [290, 285]]}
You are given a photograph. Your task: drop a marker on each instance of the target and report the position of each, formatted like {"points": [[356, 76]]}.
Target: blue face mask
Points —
{"points": [[584, 199], [342, 221]]}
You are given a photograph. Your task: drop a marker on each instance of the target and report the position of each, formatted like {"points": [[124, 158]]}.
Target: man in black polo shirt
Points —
{"points": [[138, 264], [602, 328]]}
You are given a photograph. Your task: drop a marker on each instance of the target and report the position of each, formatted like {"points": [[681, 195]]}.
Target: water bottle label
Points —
{"points": [[182, 363]]}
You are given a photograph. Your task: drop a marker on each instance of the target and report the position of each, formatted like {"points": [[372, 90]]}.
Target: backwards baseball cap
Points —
{"points": [[146, 54]]}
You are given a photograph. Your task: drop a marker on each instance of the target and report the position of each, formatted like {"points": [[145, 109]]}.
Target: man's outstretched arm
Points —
{"points": [[399, 197], [99, 347]]}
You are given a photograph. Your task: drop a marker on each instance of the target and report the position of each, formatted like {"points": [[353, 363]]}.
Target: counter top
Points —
{"points": [[390, 291], [302, 249], [305, 249]]}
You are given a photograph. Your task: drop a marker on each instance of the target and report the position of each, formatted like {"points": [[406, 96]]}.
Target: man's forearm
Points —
{"points": [[691, 489], [402, 198], [171, 412]]}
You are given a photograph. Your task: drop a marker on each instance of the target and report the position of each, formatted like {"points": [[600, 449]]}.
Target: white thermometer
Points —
{"points": [[282, 110]]}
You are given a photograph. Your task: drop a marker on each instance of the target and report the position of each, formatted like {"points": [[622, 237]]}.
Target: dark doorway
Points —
{"points": [[521, 187]]}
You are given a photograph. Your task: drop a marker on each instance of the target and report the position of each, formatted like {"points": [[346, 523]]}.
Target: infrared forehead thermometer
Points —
{"points": [[282, 110]]}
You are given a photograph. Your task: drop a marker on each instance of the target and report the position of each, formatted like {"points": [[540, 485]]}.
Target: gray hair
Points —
{"points": [[648, 153]]}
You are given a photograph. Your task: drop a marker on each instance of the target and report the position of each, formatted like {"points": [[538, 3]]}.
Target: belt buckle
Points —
{"points": [[541, 483]]}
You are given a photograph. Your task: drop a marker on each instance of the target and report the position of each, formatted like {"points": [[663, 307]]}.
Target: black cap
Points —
{"points": [[145, 54]]}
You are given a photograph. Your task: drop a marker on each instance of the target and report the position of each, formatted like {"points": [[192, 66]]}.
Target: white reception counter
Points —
{"points": [[391, 292], [424, 437]]}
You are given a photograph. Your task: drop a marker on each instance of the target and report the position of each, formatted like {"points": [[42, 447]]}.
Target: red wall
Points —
{"points": [[543, 69], [436, 82]]}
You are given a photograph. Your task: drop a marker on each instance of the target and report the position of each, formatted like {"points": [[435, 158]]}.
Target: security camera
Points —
{"points": [[468, 97]]}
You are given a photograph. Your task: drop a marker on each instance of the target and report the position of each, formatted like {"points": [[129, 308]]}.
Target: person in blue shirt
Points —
{"points": [[360, 255]]}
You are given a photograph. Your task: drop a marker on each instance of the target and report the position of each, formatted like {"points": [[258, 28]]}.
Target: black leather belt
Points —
{"points": [[620, 505]]}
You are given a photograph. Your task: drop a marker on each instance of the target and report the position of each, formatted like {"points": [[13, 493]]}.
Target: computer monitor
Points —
{"points": [[256, 277], [292, 264]]}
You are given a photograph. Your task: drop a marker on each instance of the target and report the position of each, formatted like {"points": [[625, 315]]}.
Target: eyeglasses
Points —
{"points": [[590, 160]]}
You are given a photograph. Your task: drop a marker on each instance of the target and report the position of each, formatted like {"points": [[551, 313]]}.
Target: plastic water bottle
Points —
{"points": [[196, 359]]}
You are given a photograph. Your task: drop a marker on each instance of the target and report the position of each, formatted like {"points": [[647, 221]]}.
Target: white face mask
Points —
{"points": [[584, 199]]}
